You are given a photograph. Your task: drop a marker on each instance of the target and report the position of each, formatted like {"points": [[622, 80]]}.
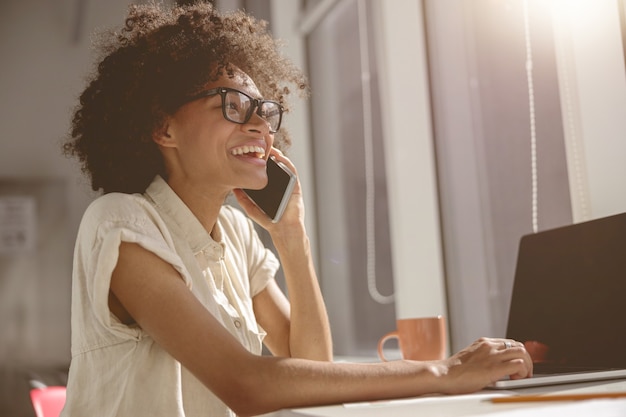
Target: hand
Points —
{"points": [[294, 212], [484, 362]]}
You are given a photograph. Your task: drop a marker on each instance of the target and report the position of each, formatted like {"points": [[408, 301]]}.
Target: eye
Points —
{"points": [[231, 105]]}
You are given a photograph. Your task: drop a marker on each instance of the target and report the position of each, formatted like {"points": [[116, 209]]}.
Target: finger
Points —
{"points": [[508, 349], [518, 369], [504, 344], [279, 156], [518, 355]]}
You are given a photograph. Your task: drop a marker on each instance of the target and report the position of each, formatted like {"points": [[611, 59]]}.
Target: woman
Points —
{"points": [[173, 292]]}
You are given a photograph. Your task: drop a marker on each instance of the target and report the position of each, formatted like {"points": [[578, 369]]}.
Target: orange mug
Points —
{"points": [[420, 339]]}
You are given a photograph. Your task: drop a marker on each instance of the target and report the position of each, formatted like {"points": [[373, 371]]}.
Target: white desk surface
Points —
{"points": [[478, 405]]}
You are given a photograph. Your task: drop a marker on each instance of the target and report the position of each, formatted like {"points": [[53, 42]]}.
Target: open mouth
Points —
{"points": [[249, 151]]}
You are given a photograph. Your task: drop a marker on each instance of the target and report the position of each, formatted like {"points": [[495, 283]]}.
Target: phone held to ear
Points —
{"points": [[273, 199]]}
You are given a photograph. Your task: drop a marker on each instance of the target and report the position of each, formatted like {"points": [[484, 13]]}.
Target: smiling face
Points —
{"points": [[203, 149]]}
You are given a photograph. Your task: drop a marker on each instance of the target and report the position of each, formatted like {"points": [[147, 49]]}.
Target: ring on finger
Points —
{"points": [[507, 344]]}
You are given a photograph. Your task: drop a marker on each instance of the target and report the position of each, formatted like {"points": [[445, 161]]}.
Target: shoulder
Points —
{"points": [[116, 211], [118, 206]]}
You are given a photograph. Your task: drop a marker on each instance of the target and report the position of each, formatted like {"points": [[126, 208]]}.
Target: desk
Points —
{"points": [[478, 405]]}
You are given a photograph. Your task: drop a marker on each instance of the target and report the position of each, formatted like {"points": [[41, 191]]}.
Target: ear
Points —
{"points": [[162, 136]]}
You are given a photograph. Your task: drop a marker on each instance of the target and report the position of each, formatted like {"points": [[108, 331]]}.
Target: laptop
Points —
{"points": [[568, 303]]}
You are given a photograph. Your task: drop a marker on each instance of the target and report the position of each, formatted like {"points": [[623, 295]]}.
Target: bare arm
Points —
{"points": [[299, 327], [155, 296]]}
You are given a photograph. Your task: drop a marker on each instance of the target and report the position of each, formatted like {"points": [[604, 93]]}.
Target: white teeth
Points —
{"points": [[259, 151]]}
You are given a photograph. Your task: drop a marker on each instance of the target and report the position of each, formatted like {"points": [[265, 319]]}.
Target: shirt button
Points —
{"points": [[237, 324]]}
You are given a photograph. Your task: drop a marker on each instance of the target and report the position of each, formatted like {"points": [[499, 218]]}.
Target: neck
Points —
{"points": [[204, 202]]}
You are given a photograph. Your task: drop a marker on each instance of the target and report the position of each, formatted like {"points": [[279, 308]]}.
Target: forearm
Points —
{"points": [[309, 333], [289, 383]]}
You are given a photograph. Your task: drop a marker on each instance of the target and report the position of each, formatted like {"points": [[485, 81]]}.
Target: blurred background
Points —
{"points": [[438, 133]]}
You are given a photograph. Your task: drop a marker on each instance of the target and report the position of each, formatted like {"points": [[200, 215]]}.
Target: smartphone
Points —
{"points": [[273, 199]]}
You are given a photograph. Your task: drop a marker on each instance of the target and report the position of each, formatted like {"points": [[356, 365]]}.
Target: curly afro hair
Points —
{"points": [[146, 71]]}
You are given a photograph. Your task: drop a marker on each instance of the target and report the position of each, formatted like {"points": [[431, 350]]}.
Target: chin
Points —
{"points": [[258, 185]]}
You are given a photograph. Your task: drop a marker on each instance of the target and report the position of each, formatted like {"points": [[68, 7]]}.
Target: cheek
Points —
{"points": [[201, 131], [196, 146], [202, 147], [193, 134]]}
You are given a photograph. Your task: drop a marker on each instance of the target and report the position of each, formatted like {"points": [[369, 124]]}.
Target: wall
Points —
{"points": [[45, 55]]}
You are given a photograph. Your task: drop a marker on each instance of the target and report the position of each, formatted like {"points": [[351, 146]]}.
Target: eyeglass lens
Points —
{"points": [[238, 108]]}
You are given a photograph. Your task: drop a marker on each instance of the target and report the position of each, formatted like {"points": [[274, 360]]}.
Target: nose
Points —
{"points": [[257, 123]]}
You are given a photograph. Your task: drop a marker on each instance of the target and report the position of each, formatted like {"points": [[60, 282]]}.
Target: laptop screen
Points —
{"points": [[569, 296]]}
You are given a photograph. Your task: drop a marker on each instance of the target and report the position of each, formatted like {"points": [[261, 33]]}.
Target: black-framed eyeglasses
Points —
{"points": [[238, 107]]}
